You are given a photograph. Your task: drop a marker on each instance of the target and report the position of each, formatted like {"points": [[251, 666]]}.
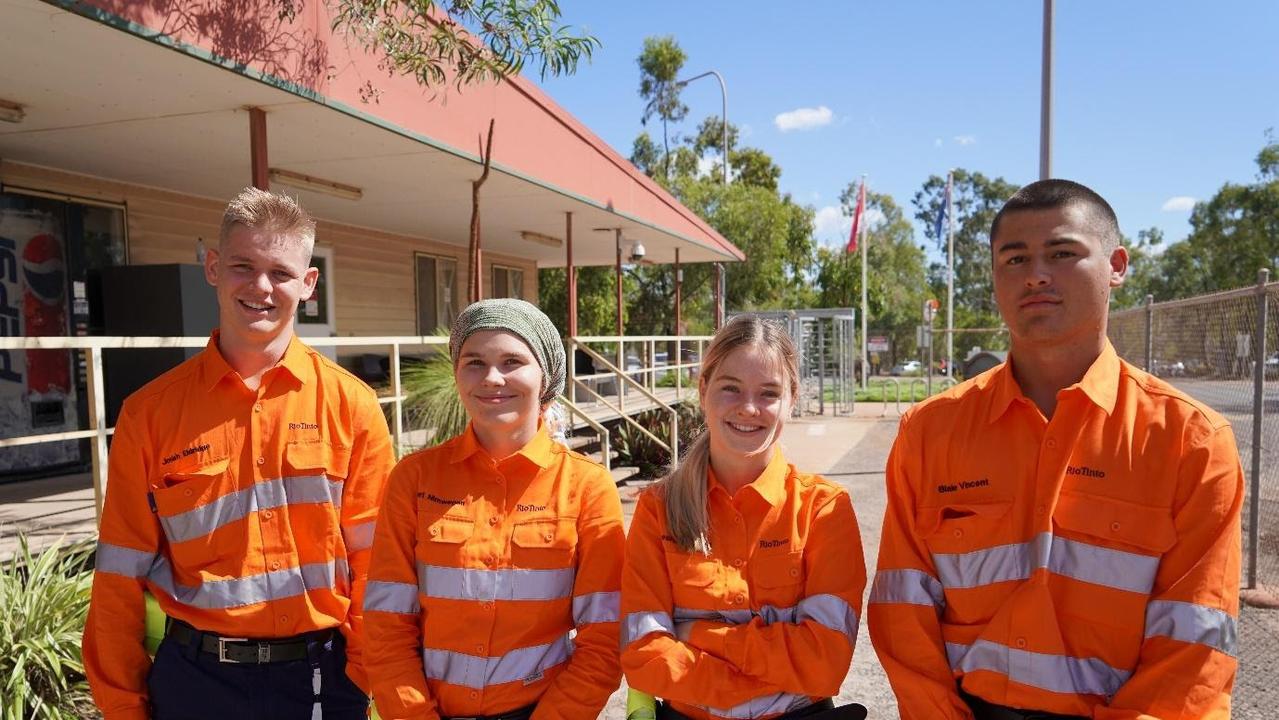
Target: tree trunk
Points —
{"points": [[475, 283]]}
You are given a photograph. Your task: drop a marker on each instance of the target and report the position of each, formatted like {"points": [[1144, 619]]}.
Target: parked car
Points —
{"points": [[910, 367], [1169, 368]]}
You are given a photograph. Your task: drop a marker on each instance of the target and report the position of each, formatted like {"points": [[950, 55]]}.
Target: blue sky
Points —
{"points": [[1154, 102]]}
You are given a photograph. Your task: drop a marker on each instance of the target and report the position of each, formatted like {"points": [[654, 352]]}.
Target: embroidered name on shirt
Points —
{"points": [[965, 485], [530, 508], [304, 426], [773, 543], [185, 453], [534, 677], [1085, 471], [437, 499]]}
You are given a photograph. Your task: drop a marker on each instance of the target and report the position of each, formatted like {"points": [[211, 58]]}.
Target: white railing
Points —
{"points": [[99, 431]]}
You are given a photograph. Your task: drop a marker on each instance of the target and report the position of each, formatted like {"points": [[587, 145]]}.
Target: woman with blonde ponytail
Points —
{"points": [[743, 580]]}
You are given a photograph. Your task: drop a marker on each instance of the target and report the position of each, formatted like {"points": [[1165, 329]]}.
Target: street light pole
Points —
{"points": [[719, 267], [1046, 97]]}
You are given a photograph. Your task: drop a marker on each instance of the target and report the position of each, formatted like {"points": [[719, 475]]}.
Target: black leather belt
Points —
{"points": [[983, 710], [246, 650], [523, 713]]}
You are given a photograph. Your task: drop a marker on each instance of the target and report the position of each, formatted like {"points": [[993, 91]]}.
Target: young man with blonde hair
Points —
{"points": [[243, 488]]}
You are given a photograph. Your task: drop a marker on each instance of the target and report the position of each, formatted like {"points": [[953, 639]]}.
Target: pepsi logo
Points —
{"points": [[44, 270]]}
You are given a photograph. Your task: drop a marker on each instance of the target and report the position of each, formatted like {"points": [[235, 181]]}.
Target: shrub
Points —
{"points": [[636, 449], [431, 401], [44, 600]]}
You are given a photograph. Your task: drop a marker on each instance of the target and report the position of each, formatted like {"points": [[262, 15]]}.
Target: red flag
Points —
{"points": [[857, 218]]}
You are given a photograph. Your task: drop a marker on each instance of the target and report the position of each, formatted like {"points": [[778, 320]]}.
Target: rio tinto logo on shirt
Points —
{"points": [[36, 392]]}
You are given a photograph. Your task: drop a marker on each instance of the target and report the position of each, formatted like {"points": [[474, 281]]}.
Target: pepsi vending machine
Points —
{"points": [[47, 247]]}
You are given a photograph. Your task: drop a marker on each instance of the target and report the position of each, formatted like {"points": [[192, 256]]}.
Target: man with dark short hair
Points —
{"points": [[1062, 533]]}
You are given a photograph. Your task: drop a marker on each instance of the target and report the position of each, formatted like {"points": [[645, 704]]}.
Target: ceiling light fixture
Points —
{"points": [[320, 185], [541, 239], [11, 111]]}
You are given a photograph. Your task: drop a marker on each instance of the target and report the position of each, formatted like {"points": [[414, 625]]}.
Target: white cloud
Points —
{"points": [[1180, 203], [804, 118], [831, 226], [966, 139]]}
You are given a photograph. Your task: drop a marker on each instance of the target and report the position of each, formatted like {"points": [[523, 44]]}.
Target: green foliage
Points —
{"points": [[897, 284], [479, 40], [44, 600], [596, 299], [636, 449], [431, 401], [976, 200], [659, 65]]}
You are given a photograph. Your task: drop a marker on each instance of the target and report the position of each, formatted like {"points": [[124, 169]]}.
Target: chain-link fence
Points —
{"points": [[1223, 350]]}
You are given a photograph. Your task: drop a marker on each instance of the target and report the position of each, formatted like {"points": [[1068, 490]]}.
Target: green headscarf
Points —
{"points": [[523, 320]]}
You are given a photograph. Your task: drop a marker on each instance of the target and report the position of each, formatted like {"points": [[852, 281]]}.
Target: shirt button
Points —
{"points": [[959, 533], [1021, 642], [794, 572], [474, 694], [1052, 442], [549, 537], [737, 519], [284, 618], [740, 599], [492, 521], [435, 531], [257, 408], [1041, 509], [275, 565], [261, 461], [267, 514], [479, 649], [739, 562], [1114, 526], [187, 492], [486, 606]]}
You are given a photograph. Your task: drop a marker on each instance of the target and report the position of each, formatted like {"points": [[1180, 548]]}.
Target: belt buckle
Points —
{"points": [[222, 645]]}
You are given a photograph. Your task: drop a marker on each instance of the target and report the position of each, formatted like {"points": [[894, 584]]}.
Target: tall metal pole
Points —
{"points": [[570, 275], [950, 274], [865, 304], [1258, 394], [719, 267], [620, 328], [1046, 97]]}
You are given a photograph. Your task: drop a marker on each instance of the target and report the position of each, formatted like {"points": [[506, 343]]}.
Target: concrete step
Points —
{"points": [[623, 473]]}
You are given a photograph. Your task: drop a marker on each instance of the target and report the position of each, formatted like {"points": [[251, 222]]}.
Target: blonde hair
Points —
{"points": [[279, 215], [684, 488]]}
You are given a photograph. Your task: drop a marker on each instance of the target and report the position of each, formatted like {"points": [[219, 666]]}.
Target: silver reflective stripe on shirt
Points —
{"points": [[1117, 569], [639, 624], [392, 597], [909, 587], [264, 495], [763, 706], [359, 536], [600, 607], [1055, 673], [450, 583], [1192, 623], [236, 592], [480, 672], [124, 561], [829, 611]]}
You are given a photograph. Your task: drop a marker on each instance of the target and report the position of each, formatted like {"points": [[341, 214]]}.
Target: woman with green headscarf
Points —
{"points": [[495, 547]]}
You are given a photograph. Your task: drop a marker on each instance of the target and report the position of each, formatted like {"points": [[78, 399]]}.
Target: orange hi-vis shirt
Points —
{"points": [[1083, 565], [771, 612], [247, 514], [495, 584]]}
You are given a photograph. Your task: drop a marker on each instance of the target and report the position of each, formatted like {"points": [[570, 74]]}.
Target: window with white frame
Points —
{"points": [[436, 281], [507, 282]]}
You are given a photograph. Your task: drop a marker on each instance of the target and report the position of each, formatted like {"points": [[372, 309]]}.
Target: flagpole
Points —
{"points": [[863, 241], [950, 274]]}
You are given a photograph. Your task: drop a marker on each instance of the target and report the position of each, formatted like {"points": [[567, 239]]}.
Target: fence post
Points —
{"points": [[1258, 397], [1150, 334], [98, 423]]}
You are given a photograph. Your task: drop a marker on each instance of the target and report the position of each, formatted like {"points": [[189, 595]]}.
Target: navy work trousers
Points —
{"points": [[187, 683]]}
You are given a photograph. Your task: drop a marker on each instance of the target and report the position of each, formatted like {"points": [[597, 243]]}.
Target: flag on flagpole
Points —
{"points": [[857, 218], [941, 216]]}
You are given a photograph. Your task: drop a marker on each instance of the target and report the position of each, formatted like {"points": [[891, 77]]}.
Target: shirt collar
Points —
{"points": [[538, 450], [1100, 384], [770, 485], [296, 361]]}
